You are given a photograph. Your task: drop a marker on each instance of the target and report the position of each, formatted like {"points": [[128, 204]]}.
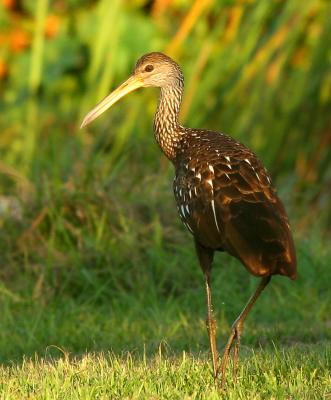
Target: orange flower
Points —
{"points": [[52, 25], [19, 40], [10, 4]]}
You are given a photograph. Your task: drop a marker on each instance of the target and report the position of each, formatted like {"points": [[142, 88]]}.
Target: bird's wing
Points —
{"points": [[227, 201]]}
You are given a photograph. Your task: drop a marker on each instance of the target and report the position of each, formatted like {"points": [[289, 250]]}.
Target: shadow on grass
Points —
{"points": [[139, 320]]}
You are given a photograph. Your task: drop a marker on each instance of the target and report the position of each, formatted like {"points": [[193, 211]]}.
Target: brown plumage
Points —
{"points": [[223, 193], [225, 198]]}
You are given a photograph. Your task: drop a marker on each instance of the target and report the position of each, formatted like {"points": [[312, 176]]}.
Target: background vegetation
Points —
{"points": [[92, 253]]}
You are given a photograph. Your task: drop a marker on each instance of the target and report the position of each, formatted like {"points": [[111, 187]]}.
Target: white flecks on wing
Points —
{"points": [[229, 161], [247, 160], [214, 212], [211, 168], [210, 183], [256, 174], [198, 175], [187, 209], [188, 227], [227, 175]]}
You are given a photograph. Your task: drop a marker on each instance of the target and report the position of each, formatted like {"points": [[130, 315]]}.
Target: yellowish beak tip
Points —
{"points": [[88, 118], [83, 124], [128, 86]]}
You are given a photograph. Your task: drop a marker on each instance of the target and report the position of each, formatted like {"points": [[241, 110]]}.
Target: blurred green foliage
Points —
{"points": [[259, 70]]}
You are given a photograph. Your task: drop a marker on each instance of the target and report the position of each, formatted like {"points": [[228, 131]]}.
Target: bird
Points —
{"points": [[224, 196]]}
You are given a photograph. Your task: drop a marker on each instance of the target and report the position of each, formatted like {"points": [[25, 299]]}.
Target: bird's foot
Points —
{"points": [[234, 339], [211, 328]]}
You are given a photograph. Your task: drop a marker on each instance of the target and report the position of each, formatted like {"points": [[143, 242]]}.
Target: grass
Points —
{"points": [[98, 263], [163, 299], [56, 344], [299, 372], [100, 290]]}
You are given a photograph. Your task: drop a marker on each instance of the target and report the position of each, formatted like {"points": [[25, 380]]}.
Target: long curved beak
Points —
{"points": [[131, 84]]}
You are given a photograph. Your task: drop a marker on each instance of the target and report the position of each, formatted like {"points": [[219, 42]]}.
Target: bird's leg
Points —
{"points": [[206, 258], [211, 325], [235, 354], [236, 331]]}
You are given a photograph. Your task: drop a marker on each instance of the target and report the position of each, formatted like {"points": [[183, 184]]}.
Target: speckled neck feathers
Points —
{"points": [[166, 127]]}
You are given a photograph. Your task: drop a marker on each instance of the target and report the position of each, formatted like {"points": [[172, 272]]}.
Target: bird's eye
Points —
{"points": [[149, 68]]}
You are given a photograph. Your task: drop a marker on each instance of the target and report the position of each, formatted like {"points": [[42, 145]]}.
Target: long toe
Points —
{"points": [[236, 356], [226, 353]]}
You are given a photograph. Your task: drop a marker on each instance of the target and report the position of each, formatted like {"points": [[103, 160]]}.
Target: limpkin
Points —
{"points": [[224, 194]]}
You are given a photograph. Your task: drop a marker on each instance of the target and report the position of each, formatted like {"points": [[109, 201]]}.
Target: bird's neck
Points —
{"points": [[166, 127]]}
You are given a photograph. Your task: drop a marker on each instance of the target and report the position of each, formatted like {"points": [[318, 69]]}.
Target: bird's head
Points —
{"points": [[153, 69], [158, 70]]}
